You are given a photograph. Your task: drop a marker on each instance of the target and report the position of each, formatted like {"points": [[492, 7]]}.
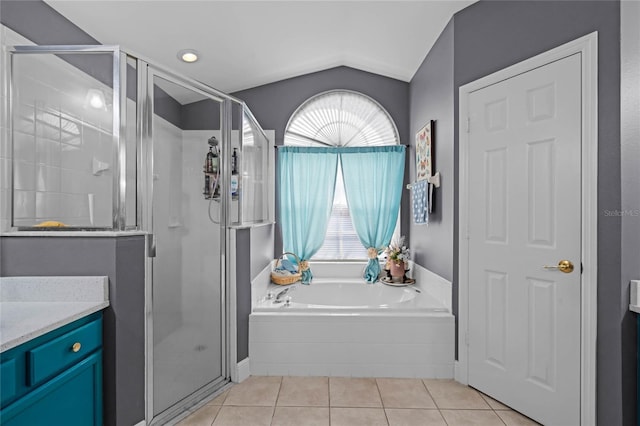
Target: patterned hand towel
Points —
{"points": [[420, 203]]}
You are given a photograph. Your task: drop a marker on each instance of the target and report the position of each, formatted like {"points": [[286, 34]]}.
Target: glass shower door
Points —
{"points": [[188, 314]]}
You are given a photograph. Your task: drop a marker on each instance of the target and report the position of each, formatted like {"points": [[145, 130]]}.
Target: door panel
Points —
{"points": [[541, 190], [524, 174], [496, 196], [542, 333], [496, 333]]}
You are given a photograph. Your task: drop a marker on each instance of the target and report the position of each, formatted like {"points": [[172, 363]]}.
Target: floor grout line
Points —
{"points": [[329, 408], [381, 401], [275, 402]]}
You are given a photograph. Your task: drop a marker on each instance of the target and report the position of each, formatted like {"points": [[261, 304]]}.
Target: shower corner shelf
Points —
{"points": [[217, 198]]}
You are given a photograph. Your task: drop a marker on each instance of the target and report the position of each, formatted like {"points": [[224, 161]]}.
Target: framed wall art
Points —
{"points": [[424, 151]]}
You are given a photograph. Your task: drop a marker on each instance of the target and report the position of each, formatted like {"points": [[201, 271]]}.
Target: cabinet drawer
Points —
{"points": [[73, 398], [52, 357], [7, 380]]}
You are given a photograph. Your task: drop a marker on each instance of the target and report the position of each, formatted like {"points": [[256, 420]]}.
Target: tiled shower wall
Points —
{"points": [[8, 38], [63, 148]]}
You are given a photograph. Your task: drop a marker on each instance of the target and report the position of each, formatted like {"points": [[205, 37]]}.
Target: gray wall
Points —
{"points": [[36, 19], [254, 251], [122, 260], [243, 291], [491, 35], [431, 98], [273, 104], [261, 248], [630, 169], [200, 115]]}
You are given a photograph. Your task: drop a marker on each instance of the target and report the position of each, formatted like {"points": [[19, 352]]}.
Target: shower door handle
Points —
{"points": [[151, 245]]}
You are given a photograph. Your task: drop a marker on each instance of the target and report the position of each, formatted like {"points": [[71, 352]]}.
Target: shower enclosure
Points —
{"points": [[103, 140]]}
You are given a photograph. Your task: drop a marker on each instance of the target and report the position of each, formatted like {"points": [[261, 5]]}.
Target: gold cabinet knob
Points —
{"points": [[76, 347], [563, 266]]}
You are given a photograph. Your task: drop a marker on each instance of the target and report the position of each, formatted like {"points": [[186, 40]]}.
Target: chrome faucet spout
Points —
{"points": [[282, 293]]}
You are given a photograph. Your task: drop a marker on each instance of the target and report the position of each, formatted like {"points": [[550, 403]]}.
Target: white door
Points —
{"points": [[524, 214]]}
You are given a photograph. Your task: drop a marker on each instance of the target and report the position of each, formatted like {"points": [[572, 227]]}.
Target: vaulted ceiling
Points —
{"points": [[244, 44]]}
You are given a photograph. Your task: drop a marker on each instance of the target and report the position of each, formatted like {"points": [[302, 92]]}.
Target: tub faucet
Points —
{"points": [[282, 293]]}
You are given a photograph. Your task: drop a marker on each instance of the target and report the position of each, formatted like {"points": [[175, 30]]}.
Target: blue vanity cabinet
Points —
{"points": [[55, 379]]}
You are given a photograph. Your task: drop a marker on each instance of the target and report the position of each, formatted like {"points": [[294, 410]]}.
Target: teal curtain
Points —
{"points": [[373, 184], [306, 179]]}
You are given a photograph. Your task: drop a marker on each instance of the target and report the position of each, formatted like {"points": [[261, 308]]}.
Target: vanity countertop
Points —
{"points": [[33, 306]]}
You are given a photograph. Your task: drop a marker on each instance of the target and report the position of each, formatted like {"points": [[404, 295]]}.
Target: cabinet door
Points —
{"points": [[71, 398]]}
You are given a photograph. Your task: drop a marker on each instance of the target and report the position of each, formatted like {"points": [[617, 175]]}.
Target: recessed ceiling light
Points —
{"points": [[188, 55]]}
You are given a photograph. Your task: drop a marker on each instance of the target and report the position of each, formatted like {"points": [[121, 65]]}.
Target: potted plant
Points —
{"points": [[397, 259]]}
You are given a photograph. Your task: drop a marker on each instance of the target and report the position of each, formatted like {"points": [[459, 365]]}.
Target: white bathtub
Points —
{"points": [[352, 295], [342, 326]]}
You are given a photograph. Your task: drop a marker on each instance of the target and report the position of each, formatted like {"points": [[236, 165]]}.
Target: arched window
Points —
{"points": [[341, 118]]}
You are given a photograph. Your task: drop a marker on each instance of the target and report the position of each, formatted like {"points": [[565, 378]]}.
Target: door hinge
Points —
{"points": [[468, 124], [466, 338]]}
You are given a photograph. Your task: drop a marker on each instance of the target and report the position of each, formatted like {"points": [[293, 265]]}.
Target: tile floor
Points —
{"points": [[337, 401]]}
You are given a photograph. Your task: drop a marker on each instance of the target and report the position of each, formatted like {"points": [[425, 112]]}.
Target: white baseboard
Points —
{"points": [[459, 374], [242, 371]]}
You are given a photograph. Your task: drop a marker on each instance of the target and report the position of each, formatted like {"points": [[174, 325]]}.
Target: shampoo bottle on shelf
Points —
{"points": [[215, 162], [208, 165], [234, 173]]}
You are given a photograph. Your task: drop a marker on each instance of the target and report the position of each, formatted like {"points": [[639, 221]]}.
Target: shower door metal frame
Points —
{"points": [[119, 122], [146, 72]]}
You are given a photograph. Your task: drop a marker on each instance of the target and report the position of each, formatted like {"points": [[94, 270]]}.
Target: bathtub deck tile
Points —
{"points": [[352, 346], [309, 369], [316, 353], [362, 369], [340, 370], [277, 369]]}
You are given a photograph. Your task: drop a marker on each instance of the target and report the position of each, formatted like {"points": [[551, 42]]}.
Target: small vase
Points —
{"points": [[397, 271]]}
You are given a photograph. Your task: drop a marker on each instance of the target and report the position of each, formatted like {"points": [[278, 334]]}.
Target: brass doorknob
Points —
{"points": [[563, 266], [76, 347]]}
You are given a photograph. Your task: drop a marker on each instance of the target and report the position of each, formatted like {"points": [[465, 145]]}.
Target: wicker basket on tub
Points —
{"points": [[286, 279]]}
